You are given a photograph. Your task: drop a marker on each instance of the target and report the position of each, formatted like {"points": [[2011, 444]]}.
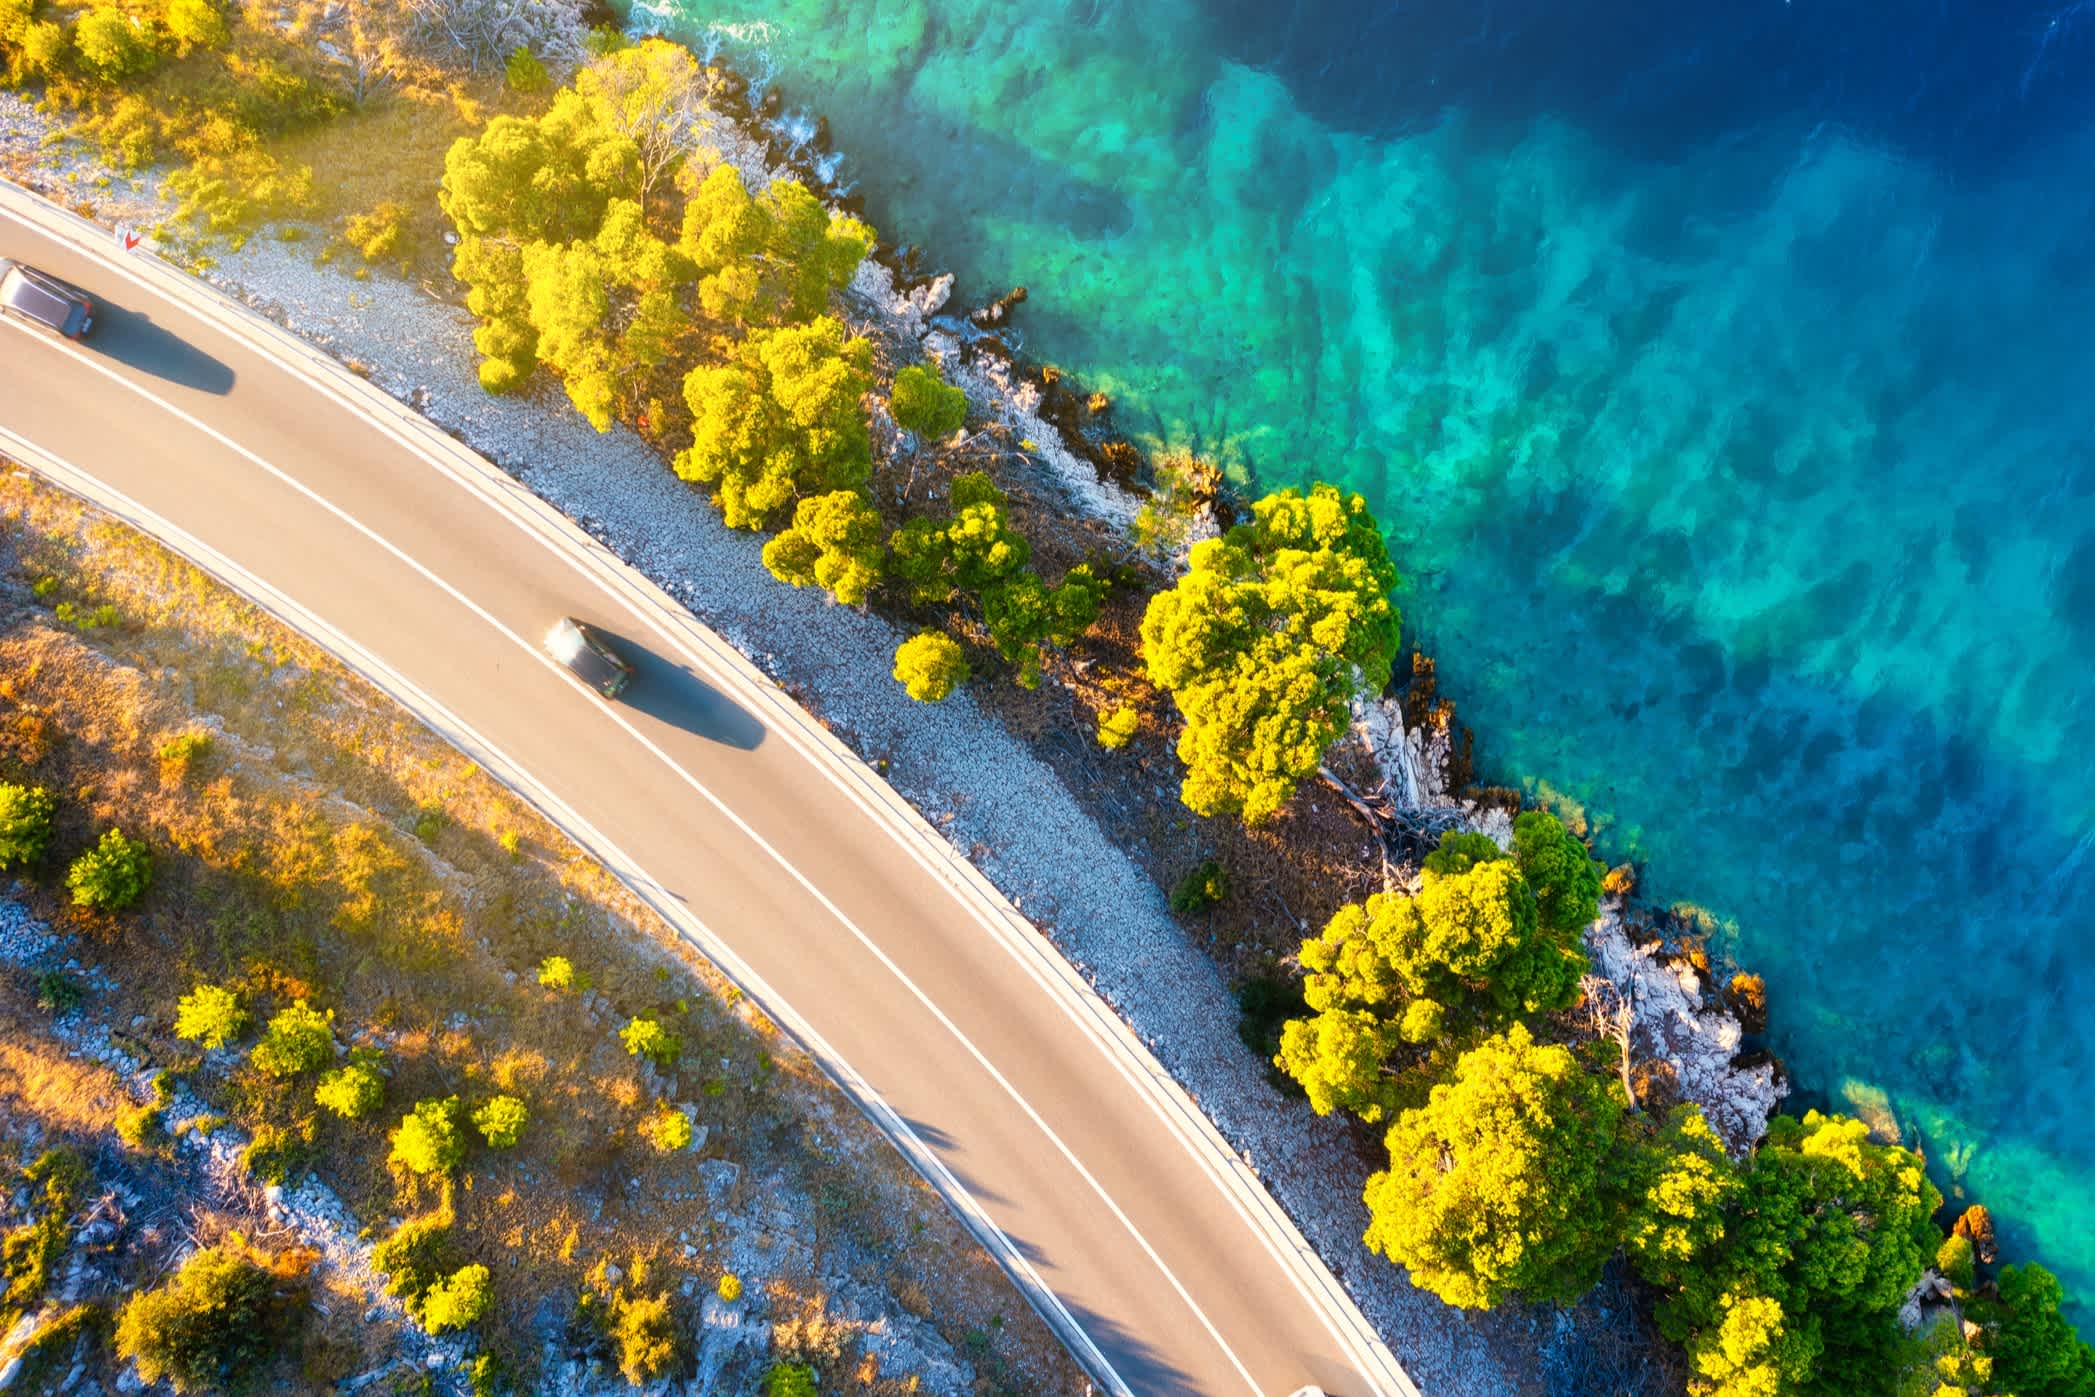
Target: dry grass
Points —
{"points": [[327, 847]]}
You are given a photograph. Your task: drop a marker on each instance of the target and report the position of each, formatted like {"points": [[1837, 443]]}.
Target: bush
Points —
{"points": [[524, 72], [558, 973], [113, 45], [730, 1287], [112, 875], [429, 1140], [502, 1121], [235, 191], [930, 666], [196, 24], [181, 755], [356, 1089], [790, 1380], [299, 1039], [456, 1301], [41, 52], [143, 1127], [645, 1037], [415, 1256], [1954, 1260], [667, 1129], [380, 234], [279, 1156], [26, 815], [212, 1327], [210, 1016], [923, 402], [58, 993], [1117, 728], [1201, 889], [645, 1333]]}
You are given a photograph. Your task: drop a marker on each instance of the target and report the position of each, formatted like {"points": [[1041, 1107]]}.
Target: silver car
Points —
{"points": [[44, 301]]}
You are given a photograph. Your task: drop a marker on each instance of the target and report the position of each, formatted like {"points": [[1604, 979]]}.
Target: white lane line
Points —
{"points": [[1115, 1040], [539, 656]]}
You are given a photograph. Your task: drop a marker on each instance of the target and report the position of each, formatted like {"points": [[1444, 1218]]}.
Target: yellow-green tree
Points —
{"points": [[782, 418], [930, 666], [924, 403], [766, 259], [1497, 1185], [1266, 640], [835, 543]]}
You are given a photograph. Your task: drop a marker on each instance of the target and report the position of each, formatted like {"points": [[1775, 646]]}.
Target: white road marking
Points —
{"points": [[538, 655]]}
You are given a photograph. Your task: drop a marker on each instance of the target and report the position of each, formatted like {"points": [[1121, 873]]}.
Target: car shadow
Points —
{"points": [[132, 338], [666, 690]]}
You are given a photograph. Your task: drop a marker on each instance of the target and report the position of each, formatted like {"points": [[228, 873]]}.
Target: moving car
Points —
{"points": [[588, 656], [44, 301]]}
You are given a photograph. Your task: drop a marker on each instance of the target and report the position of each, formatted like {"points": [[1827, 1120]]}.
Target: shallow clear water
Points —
{"points": [[1724, 374]]}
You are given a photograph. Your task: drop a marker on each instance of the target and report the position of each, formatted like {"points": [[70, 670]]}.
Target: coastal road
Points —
{"points": [[1042, 1121]]}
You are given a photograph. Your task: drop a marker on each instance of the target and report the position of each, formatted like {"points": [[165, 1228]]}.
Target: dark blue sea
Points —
{"points": [[1725, 375]]}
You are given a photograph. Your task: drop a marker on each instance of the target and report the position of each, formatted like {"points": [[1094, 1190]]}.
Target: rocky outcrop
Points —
{"points": [[1672, 1021]]}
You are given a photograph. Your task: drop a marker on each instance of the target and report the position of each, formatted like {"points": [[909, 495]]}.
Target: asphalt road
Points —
{"points": [[721, 806]]}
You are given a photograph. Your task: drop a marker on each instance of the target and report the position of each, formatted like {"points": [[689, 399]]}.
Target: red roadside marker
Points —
{"points": [[131, 240]]}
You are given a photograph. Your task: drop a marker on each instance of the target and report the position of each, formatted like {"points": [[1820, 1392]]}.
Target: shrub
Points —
{"points": [[558, 973], [924, 403], [1954, 1260], [836, 542], [645, 1037], [58, 993], [41, 52], [276, 1155], [456, 1301], [181, 755], [355, 1089], [1200, 889], [502, 1121], [645, 1333], [210, 1016], [790, 1380], [429, 1140], [299, 1039], [235, 191], [524, 72], [668, 1129], [212, 1327], [196, 24], [143, 1127], [381, 234], [112, 44], [730, 1287], [112, 875], [930, 666], [415, 1256], [26, 815], [1117, 727]]}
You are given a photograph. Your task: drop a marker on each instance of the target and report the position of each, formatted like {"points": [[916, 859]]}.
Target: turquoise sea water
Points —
{"points": [[1726, 378]]}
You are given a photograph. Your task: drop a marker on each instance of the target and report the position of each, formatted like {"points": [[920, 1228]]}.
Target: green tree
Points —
{"points": [[210, 1016], [930, 666], [644, 1330], [415, 1256], [1564, 876], [1481, 928], [1025, 616], [922, 402], [1829, 1226], [644, 1036], [781, 418], [355, 1089], [2035, 1351], [1496, 1185], [1276, 627], [502, 1120], [974, 550], [770, 259], [112, 44], [215, 1325], [1678, 1216], [26, 817], [606, 312], [428, 1140], [112, 875], [460, 1299], [789, 1380], [835, 543], [1340, 1059], [196, 24], [298, 1039]]}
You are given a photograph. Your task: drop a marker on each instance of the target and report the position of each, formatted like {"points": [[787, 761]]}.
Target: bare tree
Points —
{"points": [[488, 31], [653, 94], [1613, 1015]]}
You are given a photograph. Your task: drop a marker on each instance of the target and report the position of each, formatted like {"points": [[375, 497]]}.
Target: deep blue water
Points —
{"points": [[1725, 374]]}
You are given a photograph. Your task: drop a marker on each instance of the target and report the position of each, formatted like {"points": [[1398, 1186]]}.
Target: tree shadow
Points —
{"points": [[132, 338], [667, 691]]}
